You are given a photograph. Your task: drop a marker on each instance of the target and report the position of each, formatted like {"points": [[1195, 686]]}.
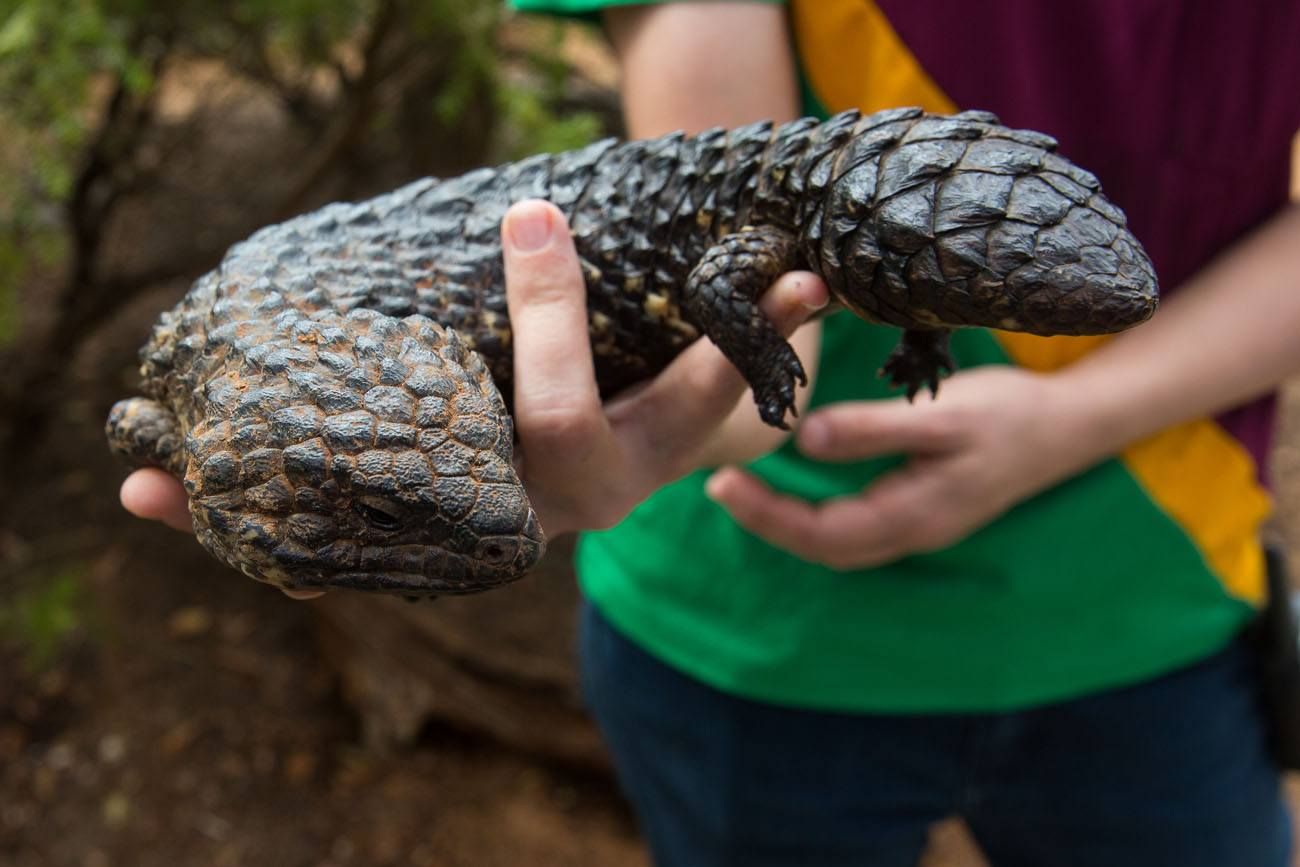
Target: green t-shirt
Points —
{"points": [[1147, 562]]}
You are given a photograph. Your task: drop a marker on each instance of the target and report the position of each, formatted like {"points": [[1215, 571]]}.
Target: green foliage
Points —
{"points": [[41, 621], [61, 59], [77, 78], [534, 127], [472, 60], [301, 32], [51, 54], [530, 120]]}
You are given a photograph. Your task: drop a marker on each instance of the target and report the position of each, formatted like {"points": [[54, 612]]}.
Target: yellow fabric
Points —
{"points": [[1196, 472], [854, 59], [1206, 481]]}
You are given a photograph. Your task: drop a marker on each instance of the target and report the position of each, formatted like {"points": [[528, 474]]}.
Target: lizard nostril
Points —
{"points": [[495, 552]]}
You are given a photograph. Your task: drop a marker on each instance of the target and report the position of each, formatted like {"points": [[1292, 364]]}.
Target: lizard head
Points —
{"points": [[964, 222], [368, 453]]}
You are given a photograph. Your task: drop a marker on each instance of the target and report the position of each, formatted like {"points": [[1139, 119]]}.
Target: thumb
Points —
{"points": [[157, 496], [865, 429]]}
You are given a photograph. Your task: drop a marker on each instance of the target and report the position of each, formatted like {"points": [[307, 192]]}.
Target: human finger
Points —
{"points": [[794, 297], [903, 512], [880, 525], [784, 521], [555, 381], [855, 430], [158, 496]]}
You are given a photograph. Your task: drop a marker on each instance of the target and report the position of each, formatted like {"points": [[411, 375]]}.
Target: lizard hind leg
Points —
{"points": [[921, 358], [721, 297], [146, 434]]}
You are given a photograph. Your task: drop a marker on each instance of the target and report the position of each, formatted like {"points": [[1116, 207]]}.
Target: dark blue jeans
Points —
{"points": [[1171, 772]]}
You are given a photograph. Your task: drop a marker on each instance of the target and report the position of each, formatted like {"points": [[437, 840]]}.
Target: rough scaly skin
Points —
{"points": [[331, 395]]}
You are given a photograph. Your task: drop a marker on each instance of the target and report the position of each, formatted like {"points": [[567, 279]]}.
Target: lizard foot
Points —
{"points": [[921, 359], [775, 386]]}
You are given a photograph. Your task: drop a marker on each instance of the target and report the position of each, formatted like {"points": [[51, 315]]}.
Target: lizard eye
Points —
{"points": [[379, 513]]}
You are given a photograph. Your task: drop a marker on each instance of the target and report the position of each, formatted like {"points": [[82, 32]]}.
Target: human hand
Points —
{"points": [[585, 465], [994, 437]]}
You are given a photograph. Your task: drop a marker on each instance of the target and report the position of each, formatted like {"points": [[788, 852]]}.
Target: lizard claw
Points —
{"points": [[920, 359], [775, 391]]}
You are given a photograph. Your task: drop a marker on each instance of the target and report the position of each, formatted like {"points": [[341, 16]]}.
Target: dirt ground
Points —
{"points": [[204, 729], [195, 722]]}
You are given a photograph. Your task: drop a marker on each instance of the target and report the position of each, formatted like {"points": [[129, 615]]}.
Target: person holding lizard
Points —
{"points": [[1020, 602]]}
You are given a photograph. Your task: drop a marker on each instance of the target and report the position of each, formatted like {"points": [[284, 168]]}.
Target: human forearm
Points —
{"points": [[1232, 333]]}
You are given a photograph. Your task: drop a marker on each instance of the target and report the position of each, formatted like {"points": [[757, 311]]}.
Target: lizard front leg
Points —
{"points": [[721, 297]]}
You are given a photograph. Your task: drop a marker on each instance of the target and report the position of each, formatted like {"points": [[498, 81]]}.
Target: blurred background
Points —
{"points": [[156, 708]]}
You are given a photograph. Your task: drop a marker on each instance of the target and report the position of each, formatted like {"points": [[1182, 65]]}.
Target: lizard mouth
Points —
{"points": [[420, 570], [409, 584]]}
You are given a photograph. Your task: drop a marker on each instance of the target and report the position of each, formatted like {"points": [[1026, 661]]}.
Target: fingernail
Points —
{"points": [[530, 228], [814, 435], [818, 303]]}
